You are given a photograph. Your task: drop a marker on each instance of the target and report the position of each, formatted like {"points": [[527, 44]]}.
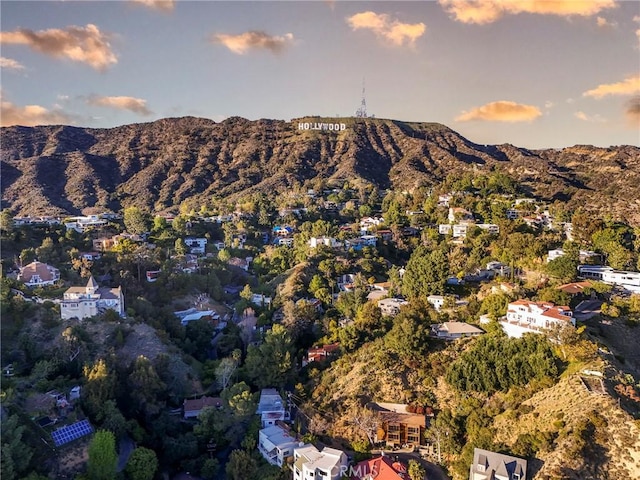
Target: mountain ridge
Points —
{"points": [[157, 165]]}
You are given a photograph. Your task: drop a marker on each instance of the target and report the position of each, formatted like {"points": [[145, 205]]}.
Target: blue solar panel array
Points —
{"points": [[70, 433]]}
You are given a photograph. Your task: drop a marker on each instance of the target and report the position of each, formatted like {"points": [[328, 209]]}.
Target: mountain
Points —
{"points": [[157, 165]]}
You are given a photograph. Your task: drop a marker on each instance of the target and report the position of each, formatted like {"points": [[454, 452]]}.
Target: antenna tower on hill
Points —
{"points": [[362, 111]]}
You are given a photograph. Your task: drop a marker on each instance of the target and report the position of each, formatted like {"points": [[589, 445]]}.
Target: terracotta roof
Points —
{"points": [[574, 287], [379, 468], [44, 271]]}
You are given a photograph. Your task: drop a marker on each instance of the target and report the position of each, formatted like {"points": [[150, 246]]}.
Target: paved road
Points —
{"points": [[587, 309], [434, 472]]}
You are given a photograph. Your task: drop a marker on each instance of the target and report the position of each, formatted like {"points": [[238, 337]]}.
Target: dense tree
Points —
{"points": [[496, 362], [142, 464], [15, 453], [271, 364], [416, 471], [135, 220], [145, 387], [241, 466], [426, 274], [100, 386], [103, 458]]}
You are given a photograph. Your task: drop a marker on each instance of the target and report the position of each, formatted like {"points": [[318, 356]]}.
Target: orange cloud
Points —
{"points": [[30, 115], [393, 31], [604, 23], [589, 118], [488, 11], [162, 5], [135, 105], [628, 86], [253, 40], [80, 44], [501, 111], [10, 64]]}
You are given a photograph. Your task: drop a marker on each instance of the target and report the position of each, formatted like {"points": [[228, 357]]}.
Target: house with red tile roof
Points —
{"points": [[319, 354], [379, 468], [38, 274], [193, 407], [525, 316]]}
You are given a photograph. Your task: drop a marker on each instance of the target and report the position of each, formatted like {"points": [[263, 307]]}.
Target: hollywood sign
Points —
{"points": [[332, 127]]}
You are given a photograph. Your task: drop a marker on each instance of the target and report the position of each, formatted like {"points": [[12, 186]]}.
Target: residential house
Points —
{"points": [[38, 274], [80, 224], [575, 288], [398, 425], [489, 465], [239, 262], [103, 244], [193, 315], [276, 444], [260, 299], [91, 256], [583, 255], [379, 468], [457, 214], [282, 230], [309, 463], [271, 407], [628, 280], [439, 301], [192, 407], [197, 246], [319, 354], [526, 316], [91, 300], [455, 330], [391, 306], [315, 242], [283, 241]]}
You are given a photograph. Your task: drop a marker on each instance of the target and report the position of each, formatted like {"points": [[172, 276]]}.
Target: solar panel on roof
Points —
{"points": [[72, 432]]}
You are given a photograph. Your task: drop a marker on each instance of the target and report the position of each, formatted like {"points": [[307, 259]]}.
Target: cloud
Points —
{"points": [[30, 115], [589, 118], [638, 35], [604, 23], [501, 111], [162, 5], [10, 64], [488, 11], [81, 44], [633, 110], [628, 86], [393, 31], [135, 105], [257, 40]]}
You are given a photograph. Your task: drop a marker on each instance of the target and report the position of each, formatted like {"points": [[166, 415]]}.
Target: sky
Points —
{"points": [[533, 73]]}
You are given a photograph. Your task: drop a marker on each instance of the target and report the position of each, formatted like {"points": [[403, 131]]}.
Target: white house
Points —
{"points": [[455, 330], [91, 300], [284, 241], [37, 274], [628, 280], [276, 444], [489, 465], [271, 407], [584, 255], [391, 306], [80, 224], [459, 214], [315, 242], [438, 301], [311, 464], [525, 316], [196, 245]]}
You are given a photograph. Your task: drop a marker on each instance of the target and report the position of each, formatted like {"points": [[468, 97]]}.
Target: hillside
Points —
{"points": [[157, 165]]}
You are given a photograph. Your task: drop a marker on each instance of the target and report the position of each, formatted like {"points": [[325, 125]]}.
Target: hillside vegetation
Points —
{"points": [[159, 165]]}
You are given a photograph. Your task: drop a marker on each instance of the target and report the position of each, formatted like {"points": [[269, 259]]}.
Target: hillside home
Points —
{"points": [[439, 301], [584, 255], [496, 466], [196, 246], [322, 353], [391, 306], [398, 426], [38, 274], [455, 330], [91, 300], [283, 241], [525, 316], [193, 407], [103, 244], [271, 407], [628, 280], [457, 214], [379, 468], [575, 288], [309, 463], [315, 242], [193, 315], [276, 444], [80, 224]]}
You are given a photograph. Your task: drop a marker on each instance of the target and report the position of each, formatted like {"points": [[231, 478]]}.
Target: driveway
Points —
{"points": [[434, 472]]}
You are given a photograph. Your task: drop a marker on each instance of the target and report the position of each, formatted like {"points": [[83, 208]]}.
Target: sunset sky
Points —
{"points": [[534, 73]]}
